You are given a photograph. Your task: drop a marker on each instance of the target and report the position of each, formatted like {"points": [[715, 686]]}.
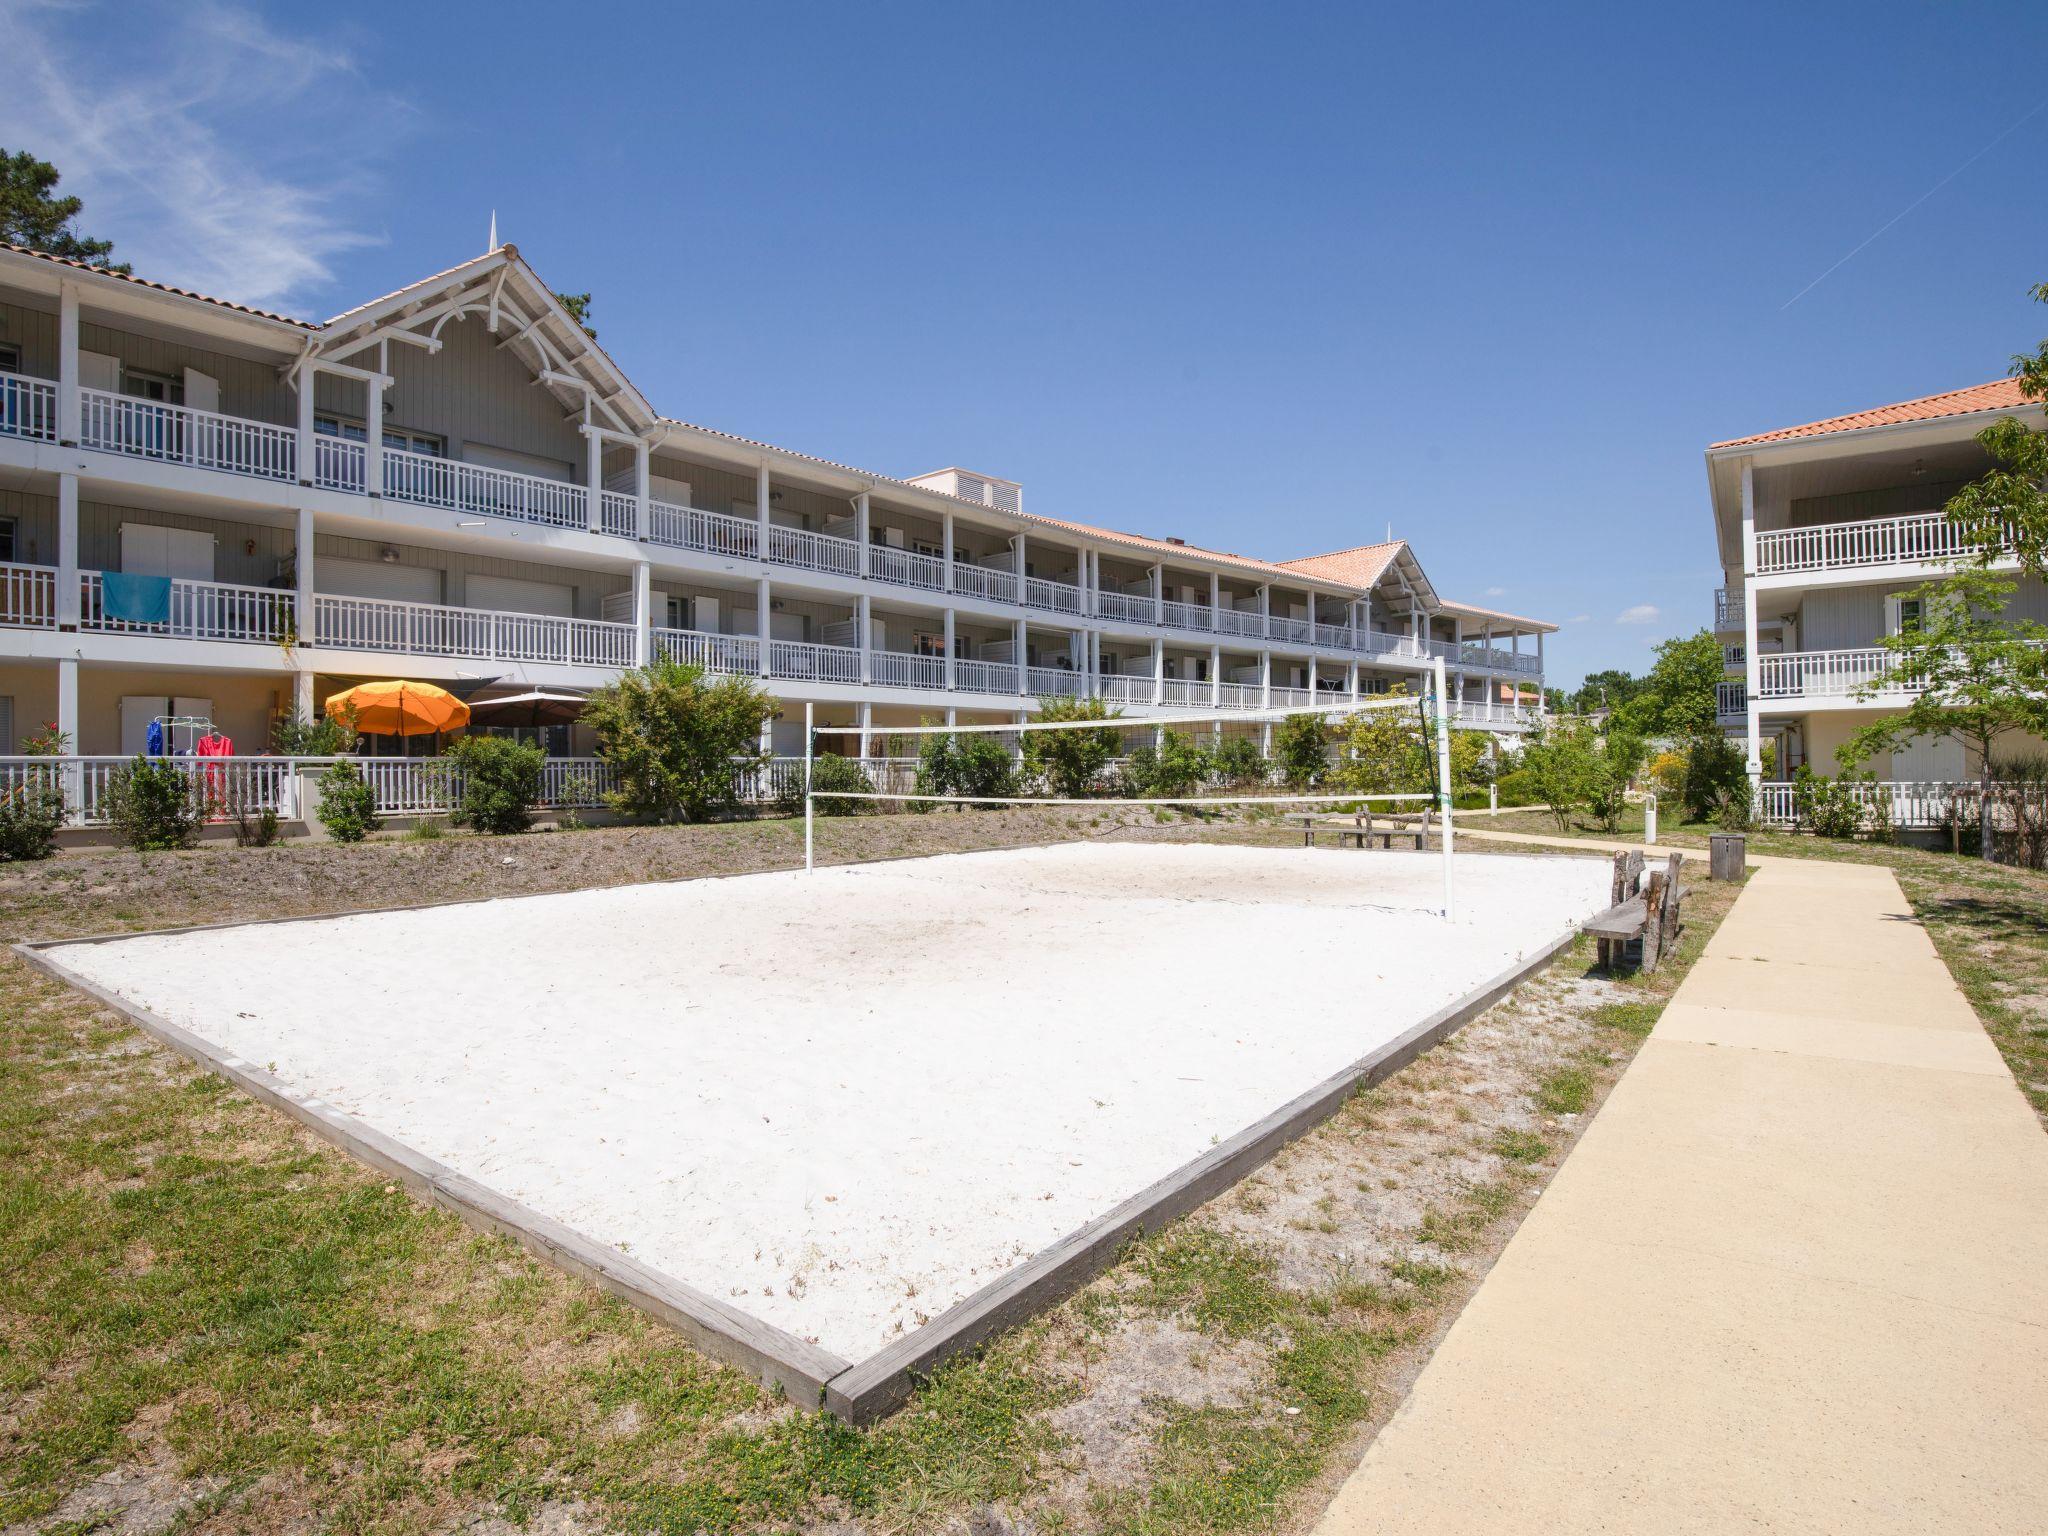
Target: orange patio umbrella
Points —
{"points": [[398, 708]]}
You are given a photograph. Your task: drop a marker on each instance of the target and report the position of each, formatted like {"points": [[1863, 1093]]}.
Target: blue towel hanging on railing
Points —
{"points": [[135, 599]]}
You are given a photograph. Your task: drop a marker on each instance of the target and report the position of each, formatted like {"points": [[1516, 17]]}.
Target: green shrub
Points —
{"points": [[1609, 768], [1301, 750], [149, 804], [254, 829], [678, 742], [1236, 761], [971, 765], [1069, 763], [500, 782], [1715, 772], [1177, 766], [1827, 807], [348, 805], [30, 814], [830, 771], [297, 735]]}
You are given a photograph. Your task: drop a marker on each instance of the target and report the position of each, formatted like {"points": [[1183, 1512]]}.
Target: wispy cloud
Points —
{"points": [[1641, 613], [216, 152], [1580, 618], [1496, 591]]}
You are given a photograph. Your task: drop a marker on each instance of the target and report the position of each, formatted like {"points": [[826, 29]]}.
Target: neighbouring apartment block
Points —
{"points": [[212, 512], [1824, 532]]}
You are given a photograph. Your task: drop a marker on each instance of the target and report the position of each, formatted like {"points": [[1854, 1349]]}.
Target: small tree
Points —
{"points": [[32, 810], [972, 764], [1678, 697], [2006, 510], [1976, 674], [1175, 767], [149, 803], [831, 771], [348, 803], [1384, 754], [500, 783], [1555, 766], [297, 735], [32, 214], [1609, 766], [1712, 777], [1238, 762], [1069, 762], [1301, 750], [678, 742]]}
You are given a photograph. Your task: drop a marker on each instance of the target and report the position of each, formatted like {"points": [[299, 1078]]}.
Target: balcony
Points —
{"points": [[738, 654], [482, 634], [199, 610], [1927, 538], [28, 596], [28, 408], [906, 669], [1731, 701], [804, 661], [1056, 596], [985, 676], [177, 434], [1729, 611], [906, 568], [1124, 689], [1137, 608], [985, 581], [713, 533], [1053, 682]]}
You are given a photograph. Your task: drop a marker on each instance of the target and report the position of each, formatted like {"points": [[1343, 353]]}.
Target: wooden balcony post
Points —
{"points": [[1022, 634], [1158, 670], [949, 612], [946, 552], [593, 480], [861, 537], [70, 414], [867, 661], [1215, 665], [308, 451], [373, 436], [762, 599], [303, 622], [67, 552], [643, 611], [643, 469]]}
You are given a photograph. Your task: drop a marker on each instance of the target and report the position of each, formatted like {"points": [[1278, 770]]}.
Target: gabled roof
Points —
{"points": [[1472, 611], [143, 282], [1362, 565], [1998, 395]]}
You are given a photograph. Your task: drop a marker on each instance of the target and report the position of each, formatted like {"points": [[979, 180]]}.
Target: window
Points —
{"points": [[10, 357], [8, 526], [927, 643], [394, 437], [1733, 655], [1910, 614], [160, 387], [923, 548]]}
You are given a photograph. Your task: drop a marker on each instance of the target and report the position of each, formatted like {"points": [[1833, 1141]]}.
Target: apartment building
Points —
{"points": [[454, 483], [1824, 530]]}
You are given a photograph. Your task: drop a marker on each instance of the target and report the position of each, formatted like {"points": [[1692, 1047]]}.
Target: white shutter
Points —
{"points": [[202, 391], [704, 614], [99, 370], [513, 594], [182, 553], [373, 578]]}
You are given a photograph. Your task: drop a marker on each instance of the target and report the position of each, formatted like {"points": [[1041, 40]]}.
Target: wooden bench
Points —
{"points": [[1361, 831], [1649, 915]]}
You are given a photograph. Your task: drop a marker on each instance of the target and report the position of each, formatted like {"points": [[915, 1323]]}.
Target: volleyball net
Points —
{"points": [[1246, 764]]}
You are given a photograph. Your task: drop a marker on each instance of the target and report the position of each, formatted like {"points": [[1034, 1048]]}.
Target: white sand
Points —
{"points": [[846, 1101]]}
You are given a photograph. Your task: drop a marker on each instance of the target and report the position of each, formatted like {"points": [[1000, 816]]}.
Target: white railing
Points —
{"points": [[1729, 611], [1292, 698], [28, 407], [1919, 803], [1178, 615], [1377, 642], [715, 533], [1926, 538], [429, 481], [178, 434], [28, 595], [1184, 691], [619, 514], [985, 676], [1055, 681], [1124, 689], [985, 582], [1290, 629], [217, 786], [199, 610], [813, 551], [1239, 621], [338, 464], [714, 653], [1495, 715], [906, 568], [1059, 596], [1336, 637], [578, 782], [434, 629], [815, 663], [1825, 674], [906, 669], [1241, 696], [1126, 605], [1731, 699]]}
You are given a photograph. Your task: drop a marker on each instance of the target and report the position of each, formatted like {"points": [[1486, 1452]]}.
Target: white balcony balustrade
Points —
{"points": [[1053, 682], [619, 515], [428, 481], [985, 676], [1927, 538], [1239, 621], [432, 629], [813, 551], [338, 464], [1731, 700], [1729, 610], [28, 596], [1125, 689], [984, 582], [1126, 605], [804, 661], [178, 434], [1293, 698], [1240, 696], [714, 533], [906, 568], [1183, 691], [1057, 596], [28, 408], [1291, 629], [739, 654], [199, 610], [906, 669]]}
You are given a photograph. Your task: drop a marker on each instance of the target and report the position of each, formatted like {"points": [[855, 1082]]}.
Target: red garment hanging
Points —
{"points": [[213, 744]]}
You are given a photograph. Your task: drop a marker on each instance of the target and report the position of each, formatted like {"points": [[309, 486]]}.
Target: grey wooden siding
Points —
{"points": [[35, 332], [35, 526], [591, 586], [1862, 506]]}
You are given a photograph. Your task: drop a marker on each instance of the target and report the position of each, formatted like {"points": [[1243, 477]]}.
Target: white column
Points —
{"points": [[305, 621], [67, 552], [1313, 697], [1017, 631], [860, 533], [308, 452], [947, 550], [1017, 548], [1542, 693], [761, 600], [949, 625], [643, 470], [1352, 682], [1215, 671], [1215, 597], [1751, 664], [1265, 679], [1158, 594], [1158, 671], [373, 436], [761, 518], [1266, 610], [867, 726], [643, 612], [866, 616], [67, 726], [302, 693], [594, 477], [69, 414]]}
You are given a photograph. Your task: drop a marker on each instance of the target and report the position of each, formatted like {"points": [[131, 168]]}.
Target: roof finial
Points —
{"points": [[1390, 530], [494, 231]]}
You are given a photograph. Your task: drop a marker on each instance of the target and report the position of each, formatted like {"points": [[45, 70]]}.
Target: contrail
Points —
{"points": [[1888, 223]]}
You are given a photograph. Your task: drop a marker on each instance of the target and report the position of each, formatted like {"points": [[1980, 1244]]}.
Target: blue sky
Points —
{"points": [[1267, 278]]}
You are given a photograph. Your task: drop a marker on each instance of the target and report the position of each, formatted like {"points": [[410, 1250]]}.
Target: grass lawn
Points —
{"points": [[211, 1322], [1989, 921]]}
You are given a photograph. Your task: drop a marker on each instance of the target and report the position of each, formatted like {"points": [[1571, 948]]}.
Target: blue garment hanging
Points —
{"points": [[155, 741], [135, 599]]}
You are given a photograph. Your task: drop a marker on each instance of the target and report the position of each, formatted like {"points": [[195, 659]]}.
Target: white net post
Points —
{"points": [[1443, 782], [809, 812]]}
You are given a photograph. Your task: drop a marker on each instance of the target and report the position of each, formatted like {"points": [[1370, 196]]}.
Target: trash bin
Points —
{"points": [[1728, 853]]}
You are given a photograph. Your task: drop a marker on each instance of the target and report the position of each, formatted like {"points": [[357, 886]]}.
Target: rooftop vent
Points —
{"points": [[1003, 495], [1172, 540]]}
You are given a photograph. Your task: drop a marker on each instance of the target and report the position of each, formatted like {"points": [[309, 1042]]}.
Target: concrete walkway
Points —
{"points": [[1793, 1278]]}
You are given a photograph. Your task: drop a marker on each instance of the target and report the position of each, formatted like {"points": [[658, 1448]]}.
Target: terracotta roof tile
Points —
{"points": [[143, 282], [1360, 566], [1473, 610], [1998, 395]]}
